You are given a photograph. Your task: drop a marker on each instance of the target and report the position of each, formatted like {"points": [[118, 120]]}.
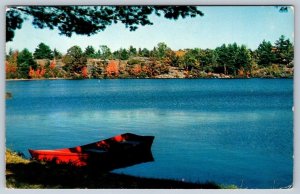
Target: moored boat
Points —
{"points": [[116, 152]]}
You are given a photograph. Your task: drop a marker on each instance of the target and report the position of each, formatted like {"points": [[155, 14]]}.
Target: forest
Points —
{"points": [[269, 60]]}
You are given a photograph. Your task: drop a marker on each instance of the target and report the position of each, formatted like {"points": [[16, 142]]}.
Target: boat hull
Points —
{"points": [[116, 152]]}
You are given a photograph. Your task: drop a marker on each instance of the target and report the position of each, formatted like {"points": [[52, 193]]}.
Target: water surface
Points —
{"points": [[228, 131]]}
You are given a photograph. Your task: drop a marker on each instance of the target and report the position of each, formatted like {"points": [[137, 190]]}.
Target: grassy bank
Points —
{"points": [[23, 173]]}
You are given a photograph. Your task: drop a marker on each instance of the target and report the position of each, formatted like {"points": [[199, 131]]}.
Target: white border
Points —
{"points": [[296, 5]]}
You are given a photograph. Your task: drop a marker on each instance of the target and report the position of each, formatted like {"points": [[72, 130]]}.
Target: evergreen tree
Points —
{"points": [[265, 54], [145, 52], [57, 54], [25, 61], [132, 51], [284, 51], [124, 55], [244, 58], [89, 52], [43, 51], [222, 59], [89, 20]]}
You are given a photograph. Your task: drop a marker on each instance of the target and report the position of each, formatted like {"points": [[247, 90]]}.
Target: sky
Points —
{"points": [[248, 25]]}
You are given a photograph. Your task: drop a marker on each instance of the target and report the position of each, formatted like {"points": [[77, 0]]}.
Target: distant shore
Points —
{"points": [[41, 79]]}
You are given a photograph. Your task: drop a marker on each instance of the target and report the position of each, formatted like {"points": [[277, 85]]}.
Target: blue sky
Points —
{"points": [[248, 25]]}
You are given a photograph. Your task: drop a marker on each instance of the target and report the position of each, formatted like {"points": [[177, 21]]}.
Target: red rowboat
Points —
{"points": [[116, 152]]}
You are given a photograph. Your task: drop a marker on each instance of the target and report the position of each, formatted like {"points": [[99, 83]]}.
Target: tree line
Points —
{"points": [[227, 60]]}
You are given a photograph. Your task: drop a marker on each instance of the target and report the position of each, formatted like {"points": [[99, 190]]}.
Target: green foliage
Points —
{"points": [[232, 58], [171, 59], [190, 60], [57, 54], [43, 51], [14, 20], [104, 52], [74, 61], [265, 54], [244, 58], [89, 52], [284, 51], [132, 51], [133, 61], [145, 53], [123, 54], [162, 49], [89, 20], [25, 60]]}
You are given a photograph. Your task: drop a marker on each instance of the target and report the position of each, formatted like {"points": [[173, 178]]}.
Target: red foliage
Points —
{"points": [[42, 72], [52, 64], [39, 73], [84, 72], [112, 69], [31, 72]]}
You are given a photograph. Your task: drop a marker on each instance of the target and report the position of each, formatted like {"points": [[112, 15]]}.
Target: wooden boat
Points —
{"points": [[116, 152]]}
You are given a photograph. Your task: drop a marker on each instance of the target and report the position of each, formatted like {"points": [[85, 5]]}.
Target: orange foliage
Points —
{"points": [[136, 70], [11, 64], [52, 64], [10, 68], [180, 53], [39, 73], [42, 72], [31, 72], [241, 72], [112, 68], [84, 72]]}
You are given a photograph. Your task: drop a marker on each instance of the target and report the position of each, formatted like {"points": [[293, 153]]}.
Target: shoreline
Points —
{"points": [[221, 78], [22, 173]]}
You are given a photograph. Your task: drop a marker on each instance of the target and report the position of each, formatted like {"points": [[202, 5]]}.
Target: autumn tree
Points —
{"points": [[51, 69], [52, 64], [11, 65], [112, 69], [84, 72], [38, 73], [136, 70], [89, 20]]}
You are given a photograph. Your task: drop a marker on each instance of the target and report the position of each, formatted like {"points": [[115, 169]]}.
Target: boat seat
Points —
{"points": [[133, 143], [95, 150]]}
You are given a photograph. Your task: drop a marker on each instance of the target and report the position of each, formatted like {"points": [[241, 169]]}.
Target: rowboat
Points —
{"points": [[116, 152]]}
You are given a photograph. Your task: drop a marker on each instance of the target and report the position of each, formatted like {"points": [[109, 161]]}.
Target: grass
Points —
{"points": [[29, 174]]}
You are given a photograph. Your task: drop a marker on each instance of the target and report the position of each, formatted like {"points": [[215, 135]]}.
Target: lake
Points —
{"points": [[230, 131]]}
